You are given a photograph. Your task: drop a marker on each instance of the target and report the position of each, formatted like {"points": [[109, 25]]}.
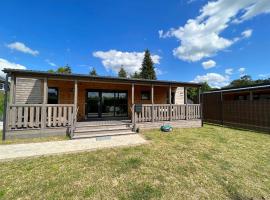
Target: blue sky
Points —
{"points": [[192, 40]]}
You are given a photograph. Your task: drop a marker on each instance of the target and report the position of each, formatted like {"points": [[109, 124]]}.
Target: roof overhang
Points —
{"points": [[85, 77], [241, 89]]}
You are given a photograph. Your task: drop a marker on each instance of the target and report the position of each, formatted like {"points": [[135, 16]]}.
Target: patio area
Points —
{"points": [[15, 151]]}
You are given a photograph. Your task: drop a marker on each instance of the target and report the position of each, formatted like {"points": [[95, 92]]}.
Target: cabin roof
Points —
{"points": [[243, 88], [35, 73]]}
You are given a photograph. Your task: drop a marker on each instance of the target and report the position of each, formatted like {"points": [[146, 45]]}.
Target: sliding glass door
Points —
{"points": [[102, 104]]}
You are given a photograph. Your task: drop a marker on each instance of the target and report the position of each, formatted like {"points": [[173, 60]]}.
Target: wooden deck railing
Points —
{"points": [[166, 112], [21, 116]]}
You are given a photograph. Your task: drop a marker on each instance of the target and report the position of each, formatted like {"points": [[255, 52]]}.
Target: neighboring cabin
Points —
{"points": [[247, 107]]}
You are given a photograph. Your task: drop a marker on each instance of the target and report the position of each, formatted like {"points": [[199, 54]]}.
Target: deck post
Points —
{"points": [[152, 101], [201, 104], [75, 97], [170, 100], [132, 105], [5, 110], [12, 95], [45, 100], [186, 103]]}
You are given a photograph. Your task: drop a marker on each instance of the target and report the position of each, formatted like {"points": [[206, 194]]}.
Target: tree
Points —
{"points": [[192, 93], [148, 69], [243, 81], [93, 72], [122, 73], [63, 70], [136, 75]]}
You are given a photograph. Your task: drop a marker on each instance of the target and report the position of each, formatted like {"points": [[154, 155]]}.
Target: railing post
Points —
{"points": [[75, 98], [133, 120], [186, 103], [152, 101], [170, 100]]}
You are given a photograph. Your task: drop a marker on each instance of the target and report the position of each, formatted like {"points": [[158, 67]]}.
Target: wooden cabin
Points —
{"points": [[42, 103]]}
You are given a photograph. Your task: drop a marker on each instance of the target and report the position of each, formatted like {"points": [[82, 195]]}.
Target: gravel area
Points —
{"points": [[13, 151]]}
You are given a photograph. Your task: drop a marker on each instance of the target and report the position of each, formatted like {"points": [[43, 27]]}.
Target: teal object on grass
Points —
{"points": [[166, 128]]}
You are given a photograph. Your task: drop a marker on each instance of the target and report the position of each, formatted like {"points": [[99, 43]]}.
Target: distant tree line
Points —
{"points": [[245, 80], [147, 70]]}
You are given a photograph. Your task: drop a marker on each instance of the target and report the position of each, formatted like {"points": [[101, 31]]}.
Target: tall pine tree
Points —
{"points": [[136, 75], [122, 73], [148, 69]]}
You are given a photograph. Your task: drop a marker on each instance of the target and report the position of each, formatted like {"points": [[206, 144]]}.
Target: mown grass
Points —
{"points": [[201, 163], [31, 140]]}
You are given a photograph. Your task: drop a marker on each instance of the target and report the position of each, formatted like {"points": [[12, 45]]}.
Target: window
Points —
{"points": [[52, 95], [145, 95]]}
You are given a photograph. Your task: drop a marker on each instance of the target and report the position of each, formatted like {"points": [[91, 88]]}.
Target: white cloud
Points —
{"points": [[213, 79], [229, 71], [247, 33], [6, 64], [201, 37], [264, 76], [242, 71], [18, 46], [50, 63], [209, 64], [131, 61]]}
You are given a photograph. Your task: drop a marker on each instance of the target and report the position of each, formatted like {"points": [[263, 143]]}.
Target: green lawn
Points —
{"points": [[202, 163], [30, 140]]}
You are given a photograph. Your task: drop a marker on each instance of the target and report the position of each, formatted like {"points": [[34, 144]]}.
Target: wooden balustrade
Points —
{"points": [[30, 115], [166, 112]]}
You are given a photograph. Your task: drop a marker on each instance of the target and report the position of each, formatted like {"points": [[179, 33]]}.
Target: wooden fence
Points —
{"points": [[246, 114], [22, 116], [166, 112]]}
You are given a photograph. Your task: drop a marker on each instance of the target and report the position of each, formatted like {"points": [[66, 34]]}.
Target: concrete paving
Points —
{"points": [[14, 151]]}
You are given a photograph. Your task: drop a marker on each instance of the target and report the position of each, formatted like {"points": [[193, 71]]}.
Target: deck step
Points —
{"points": [[100, 129], [101, 134], [100, 124], [107, 127]]}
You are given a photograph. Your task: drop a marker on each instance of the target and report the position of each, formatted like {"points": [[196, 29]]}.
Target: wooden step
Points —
{"points": [[82, 124], [100, 129], [101, 134]]}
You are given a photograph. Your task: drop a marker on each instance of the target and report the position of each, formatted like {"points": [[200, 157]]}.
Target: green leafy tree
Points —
{"points": [[63, 70], [192, 93], [122, 73], [243, 81], [93, 72], [148, 69]]}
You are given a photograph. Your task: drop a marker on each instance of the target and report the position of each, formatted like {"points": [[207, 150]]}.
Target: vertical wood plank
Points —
{"points": [[19, 124], [49, 116], [54, 115], [59, 116], [37, 118], [69, 115], [31, 118], [65, 116], [25, 116], [13, 117]]}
